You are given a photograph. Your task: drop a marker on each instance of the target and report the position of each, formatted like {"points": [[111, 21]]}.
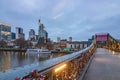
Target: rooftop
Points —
{"points": [[5, 24]]}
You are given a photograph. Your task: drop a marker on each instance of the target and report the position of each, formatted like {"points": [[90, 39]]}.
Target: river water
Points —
{"points": [[10, 60]]}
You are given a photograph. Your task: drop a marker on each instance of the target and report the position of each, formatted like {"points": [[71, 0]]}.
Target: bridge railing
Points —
{"points": [[70, 66]]}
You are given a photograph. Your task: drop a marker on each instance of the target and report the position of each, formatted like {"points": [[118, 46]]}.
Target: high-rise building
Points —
{"points": [[32, 35], [13, 36], [5, 31], [45, 34], [42, 33], [36, 37], [58, 39], [41, 28], [19, 33]]}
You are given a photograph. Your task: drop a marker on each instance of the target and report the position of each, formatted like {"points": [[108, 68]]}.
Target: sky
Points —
{"points": [[79, 19]]}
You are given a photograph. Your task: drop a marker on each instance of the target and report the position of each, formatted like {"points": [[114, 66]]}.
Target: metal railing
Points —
{"points": [[70, 66], [60, 68]]}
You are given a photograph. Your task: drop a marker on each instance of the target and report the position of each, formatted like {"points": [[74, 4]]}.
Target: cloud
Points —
{"points": [[77, 18], [23, 6], [58, 16], [59, 6]]}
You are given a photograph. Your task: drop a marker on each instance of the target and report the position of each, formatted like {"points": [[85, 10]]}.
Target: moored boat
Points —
{"points": [[40, 52]]}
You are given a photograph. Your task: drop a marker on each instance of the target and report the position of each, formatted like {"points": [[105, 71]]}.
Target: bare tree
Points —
{"points": [[29, 44], [3, 43], [49, 45], [20, 42]]}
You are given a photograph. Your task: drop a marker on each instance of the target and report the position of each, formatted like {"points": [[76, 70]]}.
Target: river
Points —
{"points": [[10, 60]]}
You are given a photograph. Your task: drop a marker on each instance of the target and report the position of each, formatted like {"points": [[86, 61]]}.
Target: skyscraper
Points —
{"points": [[13, 36], [19, 33], [42, 33], [32, 35], [5, 31]]}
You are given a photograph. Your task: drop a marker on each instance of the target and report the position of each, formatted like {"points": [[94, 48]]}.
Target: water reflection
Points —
{"points": [[10, 60], [5, 61]]}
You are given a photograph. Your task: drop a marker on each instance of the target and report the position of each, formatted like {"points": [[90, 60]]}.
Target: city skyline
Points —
{"points": [[79, 19]]}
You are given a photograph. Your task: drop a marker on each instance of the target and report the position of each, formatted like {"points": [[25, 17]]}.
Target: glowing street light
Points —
{"points": [[61, 67]]}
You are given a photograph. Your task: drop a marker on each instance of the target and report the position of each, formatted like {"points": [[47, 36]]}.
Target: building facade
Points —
{"points": [[63, 43], [58, 39], [13, 36], [42, 33], [19, 33], [78, 45], [70, 39], [5, 31], [32, 35]]}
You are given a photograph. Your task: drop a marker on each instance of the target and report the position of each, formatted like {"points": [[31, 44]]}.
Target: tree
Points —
{"points": [[29, 44], [49, 45], [3, 43], [21, 42], [40, 45]]}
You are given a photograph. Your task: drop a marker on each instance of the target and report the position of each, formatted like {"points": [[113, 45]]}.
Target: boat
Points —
{"points": [[40, 52]]}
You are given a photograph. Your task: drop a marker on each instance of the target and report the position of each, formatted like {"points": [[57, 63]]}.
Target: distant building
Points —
{"points": [[13, 36], [45, 34], [36, 37], [70, 39], [5, 31], [42, 33], [78, 45], [56, 45], [41, 40], [32, 35], [63, 43], [58, 39], [101, 39], [19, 33]]}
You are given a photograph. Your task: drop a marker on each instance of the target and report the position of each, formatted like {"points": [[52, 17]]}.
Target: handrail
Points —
{"points": [[41, 66], [63, 59]]}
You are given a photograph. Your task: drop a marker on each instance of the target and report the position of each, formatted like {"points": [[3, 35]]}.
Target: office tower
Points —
{"points": [[13, 36], [19, 33], [42, 33], [32, 35], [5, 31]]}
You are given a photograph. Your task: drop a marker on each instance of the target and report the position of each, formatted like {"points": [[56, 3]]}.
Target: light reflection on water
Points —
{"points": [[11, 60]]}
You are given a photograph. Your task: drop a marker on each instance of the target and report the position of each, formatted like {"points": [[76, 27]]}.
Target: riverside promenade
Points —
{"points": [[104, 66]]}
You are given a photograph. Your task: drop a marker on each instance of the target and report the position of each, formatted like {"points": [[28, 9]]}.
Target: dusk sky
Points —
{"points": [[79, 19]]}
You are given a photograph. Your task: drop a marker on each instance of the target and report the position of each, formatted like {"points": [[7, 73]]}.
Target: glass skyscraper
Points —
{"points": [[5, 31], [42, 33]]}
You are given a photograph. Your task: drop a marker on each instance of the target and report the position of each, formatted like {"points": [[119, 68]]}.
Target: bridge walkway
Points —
{"points": [[104, 66]]}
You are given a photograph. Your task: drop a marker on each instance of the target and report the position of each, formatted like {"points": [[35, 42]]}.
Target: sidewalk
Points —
{"points": [[105, 66]]}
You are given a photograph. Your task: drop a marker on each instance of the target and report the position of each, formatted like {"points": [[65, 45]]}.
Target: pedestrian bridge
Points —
{"points": [[91, 63]]}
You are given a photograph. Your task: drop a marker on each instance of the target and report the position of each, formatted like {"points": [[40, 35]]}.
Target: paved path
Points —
{"points": [[104, 66]]}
